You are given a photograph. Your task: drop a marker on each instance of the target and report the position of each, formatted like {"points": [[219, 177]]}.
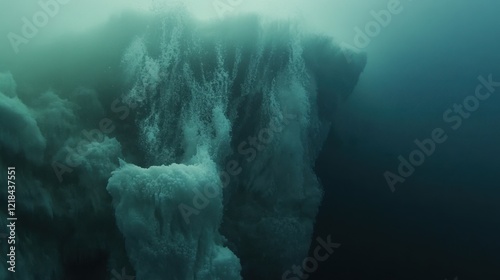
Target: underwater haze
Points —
{"points": [[249, 139]]}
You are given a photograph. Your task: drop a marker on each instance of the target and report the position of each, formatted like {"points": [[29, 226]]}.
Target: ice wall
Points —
{"points": [[218, 125], [256, 99]]}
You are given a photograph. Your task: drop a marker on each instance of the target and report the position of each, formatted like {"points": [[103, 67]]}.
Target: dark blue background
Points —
{"points": [[444, 221]]}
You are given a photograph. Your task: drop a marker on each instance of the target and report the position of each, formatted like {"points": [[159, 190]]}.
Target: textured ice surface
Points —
{"points": [[160, 244], [202, 168]]}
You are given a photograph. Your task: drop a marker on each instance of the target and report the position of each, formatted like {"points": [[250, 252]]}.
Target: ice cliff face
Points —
{"points": [[219, 125]]}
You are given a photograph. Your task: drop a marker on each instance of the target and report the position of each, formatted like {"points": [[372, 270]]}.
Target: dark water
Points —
{"points": [[442, 222]]}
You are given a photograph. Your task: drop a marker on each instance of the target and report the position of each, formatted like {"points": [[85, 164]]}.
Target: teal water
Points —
{"points": [[223, 139]]}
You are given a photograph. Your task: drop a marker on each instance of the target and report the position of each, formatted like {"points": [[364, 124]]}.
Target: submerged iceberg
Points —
{"points": [[208, 174]]}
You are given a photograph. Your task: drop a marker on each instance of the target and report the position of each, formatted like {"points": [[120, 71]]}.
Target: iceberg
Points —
{"points": [[207, 173]]}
